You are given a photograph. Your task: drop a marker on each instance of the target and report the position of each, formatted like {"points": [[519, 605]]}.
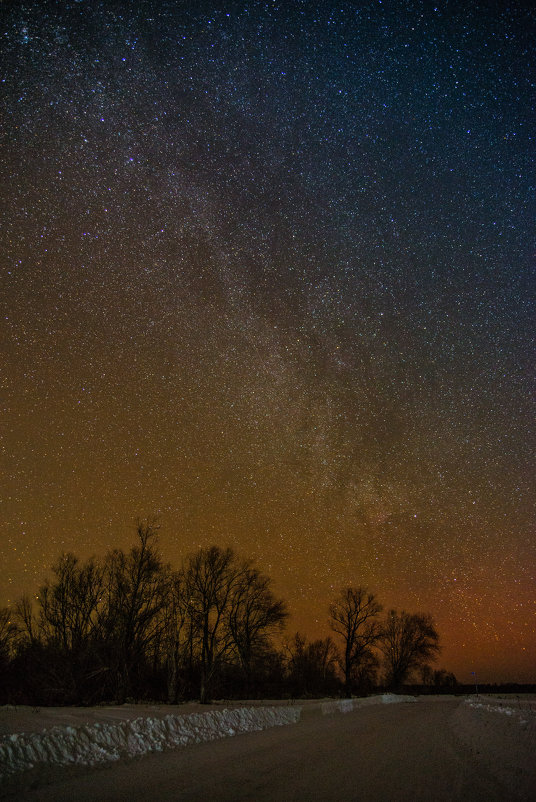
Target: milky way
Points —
{"points": [[266, 274]]}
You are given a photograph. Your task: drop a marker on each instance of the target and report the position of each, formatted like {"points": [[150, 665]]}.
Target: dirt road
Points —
{"points": [[384, 753]]}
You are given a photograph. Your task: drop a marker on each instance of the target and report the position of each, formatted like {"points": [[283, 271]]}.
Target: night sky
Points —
{"points": [[266, 273]]}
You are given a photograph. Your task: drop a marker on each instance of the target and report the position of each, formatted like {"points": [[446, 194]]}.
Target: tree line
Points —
{"points": [[130, 626]]}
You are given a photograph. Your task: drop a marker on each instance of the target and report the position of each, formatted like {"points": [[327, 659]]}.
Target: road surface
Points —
{"points": [[382, 753]]}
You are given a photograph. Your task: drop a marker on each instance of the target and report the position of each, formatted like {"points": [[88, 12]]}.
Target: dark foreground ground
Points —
{"points": [[437, 750]]}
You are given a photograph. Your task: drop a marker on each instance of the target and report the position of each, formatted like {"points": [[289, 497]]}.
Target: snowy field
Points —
{"points": [[40, 748]]}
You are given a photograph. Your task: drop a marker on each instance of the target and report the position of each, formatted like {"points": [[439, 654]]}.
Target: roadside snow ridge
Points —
{"points": [[96, 743]]}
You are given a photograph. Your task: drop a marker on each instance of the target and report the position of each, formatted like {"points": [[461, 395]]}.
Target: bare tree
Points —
{"points": [[175, 635], [312, 666], [132, 622], [426, 674], [444, 680], [353, 616], [25, 621], [69, 603], [408, 642], [6, 627], [61, 637], [365, 672], [8, 635], [210, 579], [254, 613]]}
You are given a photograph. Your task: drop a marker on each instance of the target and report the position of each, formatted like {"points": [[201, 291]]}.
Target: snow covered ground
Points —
{"points": [[89, 736], [485, 745], [516, 706]]}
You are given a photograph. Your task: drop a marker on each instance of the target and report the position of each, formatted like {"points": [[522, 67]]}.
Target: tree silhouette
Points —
{"points": [[210, 577], [176, 636], [132, 622], [129, 625], [8, 635], [312, 666], [353, 616], [66, 625], [254, 614], [408, 642]]}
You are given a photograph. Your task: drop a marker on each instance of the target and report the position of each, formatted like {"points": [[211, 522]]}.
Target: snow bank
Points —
{"points": [[520, 709], [86, 742], [99, 742], [348, 705]]}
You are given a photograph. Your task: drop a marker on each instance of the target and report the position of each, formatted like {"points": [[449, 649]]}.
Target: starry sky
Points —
{"points": [[266, 274]]}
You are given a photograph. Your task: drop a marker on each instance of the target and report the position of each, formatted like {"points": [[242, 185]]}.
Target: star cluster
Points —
{"points": [[266, 273]]}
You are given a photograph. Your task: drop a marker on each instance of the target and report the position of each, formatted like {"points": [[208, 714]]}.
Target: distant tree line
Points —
{"points": [[130, 626]]}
